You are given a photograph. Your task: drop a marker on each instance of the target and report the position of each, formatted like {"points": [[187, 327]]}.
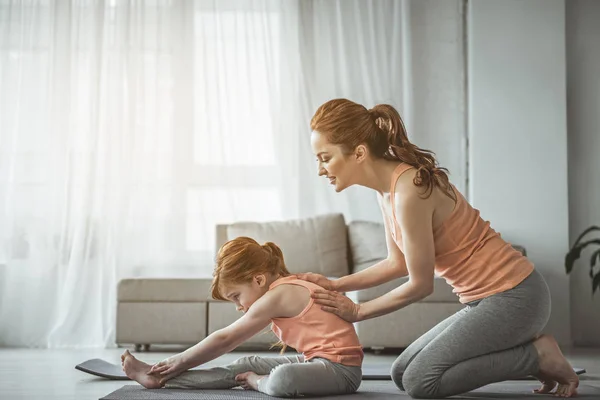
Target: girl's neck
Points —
{"points": [[273, 278]]}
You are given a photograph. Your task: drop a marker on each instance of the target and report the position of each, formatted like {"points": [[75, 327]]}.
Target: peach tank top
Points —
{"points": [[318, 333], [469, 254]]}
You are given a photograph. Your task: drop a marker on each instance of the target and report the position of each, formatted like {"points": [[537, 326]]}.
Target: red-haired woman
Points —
{"points": [[431, 228]]}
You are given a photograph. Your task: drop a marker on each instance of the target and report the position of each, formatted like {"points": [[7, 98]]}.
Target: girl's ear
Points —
{"points": [[260, 280]]}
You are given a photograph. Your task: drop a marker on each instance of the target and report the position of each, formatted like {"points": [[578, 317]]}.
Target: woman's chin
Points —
{"points": [[338, 188]]}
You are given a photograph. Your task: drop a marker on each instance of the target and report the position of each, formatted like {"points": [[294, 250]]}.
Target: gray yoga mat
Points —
{"points": [[104, 369], [514, 390]]}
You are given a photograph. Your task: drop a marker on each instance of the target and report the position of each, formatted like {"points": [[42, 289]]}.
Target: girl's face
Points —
{"points": [[243, 295], [336, 166]]}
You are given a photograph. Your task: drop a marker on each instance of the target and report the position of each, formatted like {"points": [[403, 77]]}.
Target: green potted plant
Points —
{"points": [[575, 252]]}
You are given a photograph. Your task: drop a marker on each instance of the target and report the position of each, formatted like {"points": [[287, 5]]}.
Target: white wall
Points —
{"points": [[436, 101], [583, 111], [518, 133]]}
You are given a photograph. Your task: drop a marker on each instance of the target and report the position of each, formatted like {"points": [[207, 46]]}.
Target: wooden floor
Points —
{"points": [[50, 374]]}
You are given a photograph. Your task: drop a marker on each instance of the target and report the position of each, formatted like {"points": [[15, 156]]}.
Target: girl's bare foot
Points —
{"points": [[248, 380], [138, 371], [554, 368]]}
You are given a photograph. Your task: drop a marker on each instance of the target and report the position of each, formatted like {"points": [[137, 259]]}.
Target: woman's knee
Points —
{"points": [[398, 367], [416, 385]]}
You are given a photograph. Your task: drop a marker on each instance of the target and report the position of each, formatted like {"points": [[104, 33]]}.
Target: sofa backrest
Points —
{"points": [[367, 244], [318, 244]]}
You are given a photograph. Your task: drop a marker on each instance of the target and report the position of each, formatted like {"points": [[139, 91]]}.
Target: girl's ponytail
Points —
{"points": [[276, 263]]}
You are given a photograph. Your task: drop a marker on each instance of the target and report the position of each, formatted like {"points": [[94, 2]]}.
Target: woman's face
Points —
{"points": [[336, 166]]}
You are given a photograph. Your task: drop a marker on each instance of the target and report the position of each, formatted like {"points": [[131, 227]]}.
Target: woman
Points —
{"points": [[430, 227]]}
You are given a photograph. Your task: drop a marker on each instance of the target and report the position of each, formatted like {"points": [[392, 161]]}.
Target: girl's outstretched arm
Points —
{"points": [[224, 340]]}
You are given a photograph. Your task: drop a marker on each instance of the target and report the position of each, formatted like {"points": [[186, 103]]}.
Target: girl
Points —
{"points": [[255, 278], [430, 227]]}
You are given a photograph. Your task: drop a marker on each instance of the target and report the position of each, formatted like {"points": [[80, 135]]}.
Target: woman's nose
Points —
{"points": [[322, 171]]}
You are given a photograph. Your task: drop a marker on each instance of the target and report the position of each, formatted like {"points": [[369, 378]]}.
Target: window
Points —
{"points": [[230, 166]]}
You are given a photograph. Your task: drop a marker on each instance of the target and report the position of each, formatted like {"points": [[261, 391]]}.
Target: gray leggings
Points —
{"points": [[288, 376], [490, 340]]}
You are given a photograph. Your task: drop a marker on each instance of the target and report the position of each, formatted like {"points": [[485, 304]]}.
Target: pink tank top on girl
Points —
{"points": [[318, 333], [469, 254]]}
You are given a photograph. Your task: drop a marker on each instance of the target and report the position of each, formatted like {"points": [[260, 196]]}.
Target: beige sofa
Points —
{"points": [[180, 311]]}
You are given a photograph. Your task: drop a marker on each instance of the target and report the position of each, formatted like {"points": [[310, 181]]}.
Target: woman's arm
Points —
{"points": [[394, 266], [398, 298], [382, 272], [415, 216]]}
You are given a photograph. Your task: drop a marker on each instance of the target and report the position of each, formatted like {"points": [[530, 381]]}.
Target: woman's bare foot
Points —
{"points": [[248, 380], [554, 368], [548, 384], [138, 371]]}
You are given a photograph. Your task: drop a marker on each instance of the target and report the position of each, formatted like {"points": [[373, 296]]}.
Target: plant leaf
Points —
{"points": [[571, 257], [590, 229], [595, 255], [575, 253], [595, 283]]}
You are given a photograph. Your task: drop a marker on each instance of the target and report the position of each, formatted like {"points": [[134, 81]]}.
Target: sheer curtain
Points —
{"points": [[129, 128]]}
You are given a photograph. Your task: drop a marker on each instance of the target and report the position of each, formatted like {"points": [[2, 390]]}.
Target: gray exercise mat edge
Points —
{"points": [[104, 369], [372, 390]]}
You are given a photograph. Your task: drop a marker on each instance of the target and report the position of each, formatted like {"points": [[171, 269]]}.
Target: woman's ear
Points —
{"points": [[360, 153]]}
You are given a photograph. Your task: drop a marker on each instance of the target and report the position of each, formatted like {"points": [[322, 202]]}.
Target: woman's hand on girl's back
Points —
{"points": [[337, 303], [318, 279]]}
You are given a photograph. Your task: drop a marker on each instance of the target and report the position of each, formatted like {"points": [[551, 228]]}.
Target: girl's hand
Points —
{"points": [[170, 366], [318, 279], [337, 303]]}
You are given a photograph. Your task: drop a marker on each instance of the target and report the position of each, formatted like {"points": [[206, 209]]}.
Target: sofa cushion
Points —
{"points": [[403, 327], [161, 323], [317, 244], [367, 243], [164, 290]]}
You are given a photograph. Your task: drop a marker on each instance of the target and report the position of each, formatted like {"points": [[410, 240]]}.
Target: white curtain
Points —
{"points": [[128, 129]]}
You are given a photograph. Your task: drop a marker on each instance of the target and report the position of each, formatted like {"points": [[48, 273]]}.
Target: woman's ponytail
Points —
{"points": [[389, 123]]}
